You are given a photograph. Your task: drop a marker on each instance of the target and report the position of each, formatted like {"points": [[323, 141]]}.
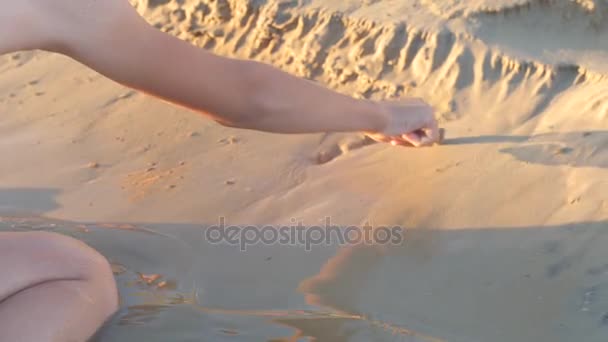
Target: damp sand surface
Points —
{"points": [[543, 283]]}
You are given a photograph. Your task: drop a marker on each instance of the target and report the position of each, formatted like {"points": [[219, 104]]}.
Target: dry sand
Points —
{"points": [[507, 220]]}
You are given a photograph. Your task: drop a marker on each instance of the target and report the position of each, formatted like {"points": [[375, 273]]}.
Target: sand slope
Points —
{"points": [[509, 214]]}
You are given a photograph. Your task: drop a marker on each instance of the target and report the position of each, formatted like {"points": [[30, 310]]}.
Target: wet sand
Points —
{"points": [[545, 283], [505, 222]]}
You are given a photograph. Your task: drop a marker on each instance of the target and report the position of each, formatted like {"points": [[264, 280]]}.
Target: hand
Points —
{"points": [[410, 123]]}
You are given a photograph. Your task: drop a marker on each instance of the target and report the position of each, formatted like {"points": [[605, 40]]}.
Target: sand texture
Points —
{"points": [[507, 220]]}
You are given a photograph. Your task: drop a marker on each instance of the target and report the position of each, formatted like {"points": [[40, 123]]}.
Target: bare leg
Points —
{"points": [[52, 288]]}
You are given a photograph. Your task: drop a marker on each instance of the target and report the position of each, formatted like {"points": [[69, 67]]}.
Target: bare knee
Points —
{"points": [[75, 260], [64, 286]]}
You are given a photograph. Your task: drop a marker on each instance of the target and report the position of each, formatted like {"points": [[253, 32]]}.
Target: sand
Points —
{"points": [[506, 220]]}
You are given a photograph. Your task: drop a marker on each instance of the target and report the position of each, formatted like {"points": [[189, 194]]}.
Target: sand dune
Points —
{"points": [[506, 217]]}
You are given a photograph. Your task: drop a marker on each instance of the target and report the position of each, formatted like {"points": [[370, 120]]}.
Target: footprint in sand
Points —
{"points": [[335, 145]]}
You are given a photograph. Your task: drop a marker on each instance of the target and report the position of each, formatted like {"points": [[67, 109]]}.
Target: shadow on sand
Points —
{"points": [[27, 200], [535, 283], [576, 149]]}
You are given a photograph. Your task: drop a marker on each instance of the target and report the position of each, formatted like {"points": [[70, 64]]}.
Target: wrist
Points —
{"points": [[376, 117]]}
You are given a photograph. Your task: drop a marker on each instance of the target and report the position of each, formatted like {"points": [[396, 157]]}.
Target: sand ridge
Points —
{"points": [[390, 59]]}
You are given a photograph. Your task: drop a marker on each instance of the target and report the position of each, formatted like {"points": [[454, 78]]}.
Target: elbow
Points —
{"points": [[259, 96], [257, 100]]}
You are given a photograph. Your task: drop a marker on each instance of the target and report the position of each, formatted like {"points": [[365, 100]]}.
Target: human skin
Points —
{"points": [[110, 37], [59, 289], [53, 288]]}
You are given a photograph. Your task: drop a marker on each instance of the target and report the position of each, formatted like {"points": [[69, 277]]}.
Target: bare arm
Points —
{"points": [[238, 93], [110, 37]]}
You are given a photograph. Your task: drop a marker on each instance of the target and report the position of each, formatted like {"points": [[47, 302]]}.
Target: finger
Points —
{"points": [[400, 142], [428, 138], [413, 138], [430, 135], [385, 139], [426, 141], [394, 141], [379, 138]]}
